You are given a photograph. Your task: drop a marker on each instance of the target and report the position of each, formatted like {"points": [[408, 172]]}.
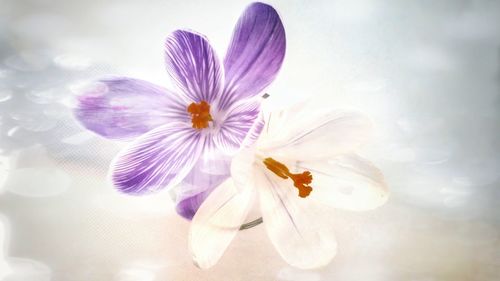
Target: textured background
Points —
{"points": [[427, 72]]}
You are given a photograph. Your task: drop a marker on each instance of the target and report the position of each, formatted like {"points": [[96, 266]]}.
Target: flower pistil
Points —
{"points": [[300, 181], [200, 114]]}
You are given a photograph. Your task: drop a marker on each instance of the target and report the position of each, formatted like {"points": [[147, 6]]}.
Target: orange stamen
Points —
{"points": [[300, 181], [200, 114]]}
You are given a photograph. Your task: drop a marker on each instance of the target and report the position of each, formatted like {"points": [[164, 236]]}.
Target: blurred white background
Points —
{"points": [[427, 72]]}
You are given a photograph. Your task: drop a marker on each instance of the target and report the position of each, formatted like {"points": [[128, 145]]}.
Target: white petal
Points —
{"points": [[316, 134], [298, 228], [219, 218], [346, 182]]}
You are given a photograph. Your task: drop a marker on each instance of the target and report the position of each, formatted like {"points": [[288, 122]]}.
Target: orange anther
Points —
{"points": [[300, 181], [200, 114]]}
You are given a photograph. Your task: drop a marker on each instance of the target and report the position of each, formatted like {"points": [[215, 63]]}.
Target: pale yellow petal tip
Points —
{"points": [[194, 258], [199, 264], [377, 201], [384, 197], [196, 263], [380, 195], [384, 194]]}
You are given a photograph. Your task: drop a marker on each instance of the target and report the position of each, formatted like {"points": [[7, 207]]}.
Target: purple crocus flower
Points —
{"points": [[185, 137]]}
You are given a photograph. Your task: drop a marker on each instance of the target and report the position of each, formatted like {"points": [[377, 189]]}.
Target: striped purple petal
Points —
{"points": [[255, 54], [158, 159], [187, 207], [236, 125], [254, 132], [122, 108], [212, 168], [193, 65]]}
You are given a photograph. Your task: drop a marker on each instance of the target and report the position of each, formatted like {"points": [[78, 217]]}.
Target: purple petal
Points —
{"points": [[188, 207], [255, 53], [193, 65], [237, 124], [254, 132], [159, 159], [212, 168], [122, 108]]}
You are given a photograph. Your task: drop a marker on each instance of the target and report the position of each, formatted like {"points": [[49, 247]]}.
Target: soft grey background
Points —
{"points": [[427, 72]]}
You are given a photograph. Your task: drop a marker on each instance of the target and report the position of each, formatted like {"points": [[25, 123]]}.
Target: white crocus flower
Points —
{"points": [[302, 164]]}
